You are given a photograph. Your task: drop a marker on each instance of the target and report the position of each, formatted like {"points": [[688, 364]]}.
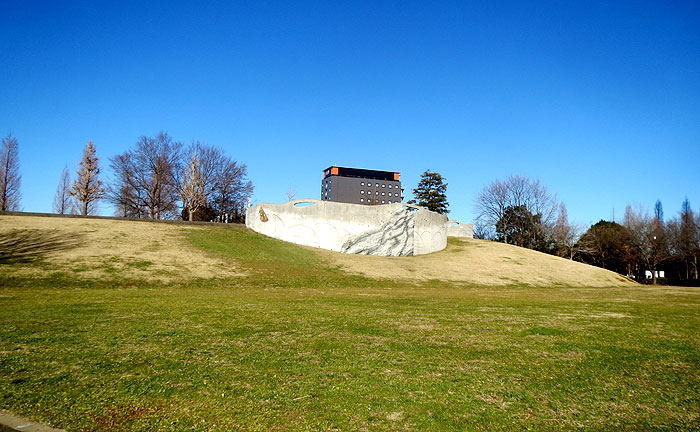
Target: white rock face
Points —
{"points": [[393, 238], [390, 230]]}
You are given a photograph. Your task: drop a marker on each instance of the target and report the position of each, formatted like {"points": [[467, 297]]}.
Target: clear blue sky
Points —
{"points": [[599, 100]]}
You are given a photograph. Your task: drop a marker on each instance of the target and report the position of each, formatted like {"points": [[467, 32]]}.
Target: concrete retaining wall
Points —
{"points": [[388, 230], [458, 229]]}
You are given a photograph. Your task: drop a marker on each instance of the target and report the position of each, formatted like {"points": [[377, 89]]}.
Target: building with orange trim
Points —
{"points": [[361, 186]]}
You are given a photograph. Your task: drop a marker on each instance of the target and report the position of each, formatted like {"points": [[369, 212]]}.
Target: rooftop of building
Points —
{"points": [[361, 173]]}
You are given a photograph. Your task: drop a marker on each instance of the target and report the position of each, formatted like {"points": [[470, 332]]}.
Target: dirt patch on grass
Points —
{"points": [[480, 262], [94, 248]]}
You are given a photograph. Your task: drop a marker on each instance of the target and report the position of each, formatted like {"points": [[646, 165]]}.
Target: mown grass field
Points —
{"points": [[294, 343]]}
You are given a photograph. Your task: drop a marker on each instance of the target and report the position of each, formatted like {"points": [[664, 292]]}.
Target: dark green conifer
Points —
{"points": [[430, 193]]}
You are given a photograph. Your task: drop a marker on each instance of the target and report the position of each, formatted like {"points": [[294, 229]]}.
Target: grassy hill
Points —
{"points": [[100, 247], [481, 262], [130, 326]]}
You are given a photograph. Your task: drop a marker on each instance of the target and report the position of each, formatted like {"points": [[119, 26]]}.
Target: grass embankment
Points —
{"points": [[297, 344]]}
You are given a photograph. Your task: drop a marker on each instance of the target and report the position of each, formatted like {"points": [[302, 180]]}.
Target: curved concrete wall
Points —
{"points": [[389, 230], [457, 229]]}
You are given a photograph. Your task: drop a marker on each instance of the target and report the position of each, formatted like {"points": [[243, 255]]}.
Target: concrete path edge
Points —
{"points": [[12, 423]]}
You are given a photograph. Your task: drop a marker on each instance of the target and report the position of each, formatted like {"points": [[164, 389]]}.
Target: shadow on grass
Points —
{"points": [[25, 246]]}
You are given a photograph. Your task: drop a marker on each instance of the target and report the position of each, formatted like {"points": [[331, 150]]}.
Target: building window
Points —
{"points": [[389, 186], [376, 185], [376, 193], [362, 200], [383, 185], [362, 192], [362, 183], [382, 201], [382, 193]]}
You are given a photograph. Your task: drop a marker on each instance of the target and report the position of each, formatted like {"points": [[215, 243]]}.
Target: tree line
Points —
{"points": [[159, 178], [522, 212], [643, 245]]}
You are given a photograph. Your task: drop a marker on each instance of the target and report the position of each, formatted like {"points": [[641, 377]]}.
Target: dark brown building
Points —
{"points": [[361, 186]]}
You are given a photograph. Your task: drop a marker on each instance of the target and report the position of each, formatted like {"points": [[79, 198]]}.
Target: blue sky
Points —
{"points": [[599, 100]]}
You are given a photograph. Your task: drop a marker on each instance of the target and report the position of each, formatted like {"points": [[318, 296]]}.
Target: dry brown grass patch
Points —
{"points": [[131, 249], [480, 262]]}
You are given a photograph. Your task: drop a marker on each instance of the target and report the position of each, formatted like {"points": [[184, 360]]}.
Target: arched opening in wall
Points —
{"points": [[304, 204]]}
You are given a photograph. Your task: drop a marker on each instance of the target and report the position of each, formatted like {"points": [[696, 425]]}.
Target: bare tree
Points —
{"points": [[496, 198], [638, 224], [651, 241], [10, 178], [491, 205], [566, 234], [682, 235], [572, 240], [147, 178], [88, 188], [158, 163], [659, 245], [659, 210], [686, 241], [232, 189], [225, 185], [648, 245], [210, 159], [194, 197], [63, 201], [482, 232], [561, 231], [290, 193], [129, 201], [150, 180]]}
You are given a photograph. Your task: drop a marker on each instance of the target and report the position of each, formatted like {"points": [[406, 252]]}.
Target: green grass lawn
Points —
{"points": [[298, 345]]}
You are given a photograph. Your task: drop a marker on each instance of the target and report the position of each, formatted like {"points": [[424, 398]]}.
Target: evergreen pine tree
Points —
{"points": [[430, 193]]}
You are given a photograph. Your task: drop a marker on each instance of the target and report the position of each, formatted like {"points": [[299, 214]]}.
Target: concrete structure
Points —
{"points": [[387, 230], [12, 423], [457, 229], [361, 186]]}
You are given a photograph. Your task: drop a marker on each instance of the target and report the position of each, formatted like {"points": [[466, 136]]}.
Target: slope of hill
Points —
{"points": [[89, 248], [482, 262], [142, 250]]}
